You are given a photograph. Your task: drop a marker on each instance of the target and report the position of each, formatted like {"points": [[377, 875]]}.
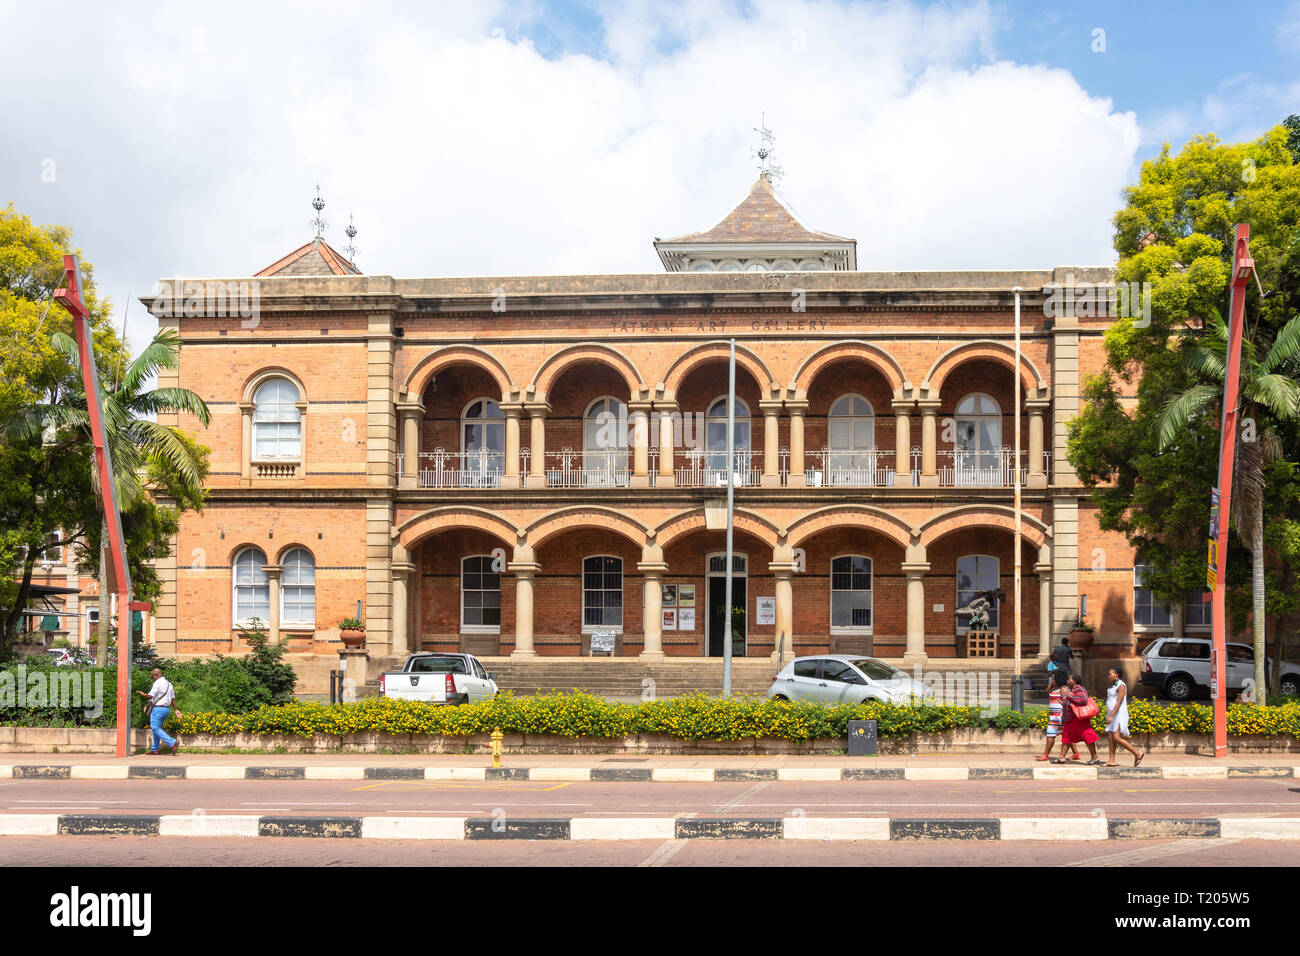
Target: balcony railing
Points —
{"points": [[461, 469], [592, 469], [983, 469], [708, 469], [864, 468]]}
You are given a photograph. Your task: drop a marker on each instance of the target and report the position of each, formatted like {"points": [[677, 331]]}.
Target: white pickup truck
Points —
{"points": [[439, 679]]}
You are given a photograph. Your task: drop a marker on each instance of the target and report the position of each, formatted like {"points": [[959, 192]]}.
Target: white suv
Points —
{"points": [[1180, 666]]}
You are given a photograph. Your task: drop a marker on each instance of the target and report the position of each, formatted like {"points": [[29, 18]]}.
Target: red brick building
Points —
{"points": [[506, 464]]}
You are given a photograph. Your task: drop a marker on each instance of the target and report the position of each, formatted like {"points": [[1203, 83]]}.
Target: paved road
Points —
{"points": [[975, 798], [145, 852]]}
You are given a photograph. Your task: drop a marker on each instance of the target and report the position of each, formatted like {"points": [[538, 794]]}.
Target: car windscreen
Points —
{"points": [[877, 670], [438, 665]]}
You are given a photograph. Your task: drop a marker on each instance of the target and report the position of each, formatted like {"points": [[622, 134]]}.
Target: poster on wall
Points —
{"points": [[670, 619], [670, 595], [686, 595], [686, 619], [766, 610]]}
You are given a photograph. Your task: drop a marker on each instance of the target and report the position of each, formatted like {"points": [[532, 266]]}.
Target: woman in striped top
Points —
{"points": [[1055, 708]]}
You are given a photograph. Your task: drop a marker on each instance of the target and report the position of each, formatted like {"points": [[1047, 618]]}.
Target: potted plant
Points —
{"points": [[1081, 633], [353, 632]]}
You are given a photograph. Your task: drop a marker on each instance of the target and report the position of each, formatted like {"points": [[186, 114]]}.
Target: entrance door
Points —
{"points": [[717, 615]]}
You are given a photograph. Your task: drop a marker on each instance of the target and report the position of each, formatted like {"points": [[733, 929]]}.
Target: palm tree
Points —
{"points": [[1265, 388], [133, 439]]}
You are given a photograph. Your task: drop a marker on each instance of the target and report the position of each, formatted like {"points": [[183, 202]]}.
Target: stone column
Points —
{"points": [[524, 568], [652, 617], [246, 433], [771, 444], [639, 417], [1037, 477], [273, 604], [1044, 571], [796, 478], [783, 573], [666, 477], [537, 449], [929, 443], [410, 413], [902, 444], [402, 570], [510, 475], [915, 653]]}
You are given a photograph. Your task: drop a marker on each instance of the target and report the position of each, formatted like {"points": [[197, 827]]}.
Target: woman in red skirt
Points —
{"points": [[1078, 729]]}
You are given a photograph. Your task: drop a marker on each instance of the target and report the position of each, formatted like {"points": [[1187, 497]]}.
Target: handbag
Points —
{"points": [[1084, 711]]}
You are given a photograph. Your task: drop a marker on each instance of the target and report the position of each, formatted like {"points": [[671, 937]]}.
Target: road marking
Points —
{"points": [[516, 786], [424, 828], [936, 773], [1147, 853], [664, 853], [682, 774], [1054, 828], [1260, 828], [207, 824], [742, 796], [836, 828], [335, 773], [621, 828]]}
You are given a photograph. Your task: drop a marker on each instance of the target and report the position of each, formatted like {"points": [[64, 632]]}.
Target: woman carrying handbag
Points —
{"points": [[1079, 711]]}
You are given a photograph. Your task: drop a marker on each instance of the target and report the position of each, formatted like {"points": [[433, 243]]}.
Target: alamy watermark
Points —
{"points": [[1119, 300], [209, 299], [982, 689], [21, 688]]}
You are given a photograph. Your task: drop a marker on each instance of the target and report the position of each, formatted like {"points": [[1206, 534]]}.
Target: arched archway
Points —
{"points": [[429, 366]]}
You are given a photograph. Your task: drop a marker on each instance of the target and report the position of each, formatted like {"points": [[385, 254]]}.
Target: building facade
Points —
{"points": [[505, 465]]}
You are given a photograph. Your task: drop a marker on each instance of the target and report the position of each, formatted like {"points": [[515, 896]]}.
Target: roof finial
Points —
{"points": [[768, 169], [318, 223], [351, 249]]}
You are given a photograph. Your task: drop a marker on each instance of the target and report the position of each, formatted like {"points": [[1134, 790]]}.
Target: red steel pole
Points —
{"points": [[119, 576], [1242, 268]]}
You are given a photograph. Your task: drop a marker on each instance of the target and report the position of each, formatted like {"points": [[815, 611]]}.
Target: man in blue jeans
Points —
{"points": [[162, 697]]}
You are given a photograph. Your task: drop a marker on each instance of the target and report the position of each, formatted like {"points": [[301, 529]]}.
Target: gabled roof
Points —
{"points": [[316, 258], [760, 217]]}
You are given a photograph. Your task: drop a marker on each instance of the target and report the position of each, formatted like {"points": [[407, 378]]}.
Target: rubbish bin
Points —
{"points": [[862, 738]]}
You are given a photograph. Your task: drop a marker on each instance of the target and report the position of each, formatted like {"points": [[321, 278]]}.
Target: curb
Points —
{"points": [[630, 774], [653, 828]]}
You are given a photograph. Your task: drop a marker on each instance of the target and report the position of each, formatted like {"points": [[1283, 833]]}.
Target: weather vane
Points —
{"points": [[767, 146], [350, 248], [318, 223]]}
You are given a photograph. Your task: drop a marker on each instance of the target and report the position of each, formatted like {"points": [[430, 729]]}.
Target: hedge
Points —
{"points": [[697, 717]]}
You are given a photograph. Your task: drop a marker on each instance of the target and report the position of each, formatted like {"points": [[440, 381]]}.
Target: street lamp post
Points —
{"points": [[1017, 682], [728, 617]]}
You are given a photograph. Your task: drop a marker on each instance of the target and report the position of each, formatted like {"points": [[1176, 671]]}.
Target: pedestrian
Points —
{"points": [[1117, 718], [162, 699], [1059, 662], [1054, 712], [1079, 711]]}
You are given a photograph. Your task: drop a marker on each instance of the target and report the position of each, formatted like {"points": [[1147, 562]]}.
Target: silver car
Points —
{"points": [[844, 679]]}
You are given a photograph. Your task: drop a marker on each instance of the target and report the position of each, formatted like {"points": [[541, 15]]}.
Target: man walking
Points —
{"points": [[1060, 661], [162, 698]]}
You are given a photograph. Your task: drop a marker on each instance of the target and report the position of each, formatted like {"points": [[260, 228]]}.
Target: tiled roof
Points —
{"points": [[316, 258], [760, 217]]}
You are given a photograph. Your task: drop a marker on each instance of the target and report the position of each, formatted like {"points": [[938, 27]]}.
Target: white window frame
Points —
{"points": [[995, 620], [286, 623], [1189, 599], [743, 418], [478, 628], [254, 456], [978, 453], [1148, 628], [853, 629], [617, 453], [622, 590], [235, 619]]}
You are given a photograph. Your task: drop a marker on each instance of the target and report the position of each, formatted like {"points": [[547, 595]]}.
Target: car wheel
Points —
{"points": [[1291, 684], [1179, 687], [780, 697]]}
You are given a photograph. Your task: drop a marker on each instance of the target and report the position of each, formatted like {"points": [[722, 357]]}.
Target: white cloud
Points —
{"points": [[190, 142]]}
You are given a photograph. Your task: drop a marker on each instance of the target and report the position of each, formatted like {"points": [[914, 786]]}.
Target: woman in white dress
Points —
{"points": [[1117, 719]]}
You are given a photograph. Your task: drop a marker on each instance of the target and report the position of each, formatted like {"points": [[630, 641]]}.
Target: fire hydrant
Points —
{"points": [[497, 736]]}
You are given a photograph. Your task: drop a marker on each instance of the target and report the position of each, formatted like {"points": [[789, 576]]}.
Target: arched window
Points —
{"points": [[480, 595], [483, 442], [978, 445], [602, 592], [277, 422], [298, 589], [851, 435], [850, 593], [976, 573], [715, 437], [1148, 610], [604, 443], [252, 589]]}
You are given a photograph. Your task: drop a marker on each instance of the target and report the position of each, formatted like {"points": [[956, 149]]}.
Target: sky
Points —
{"points": [[519, 137]]}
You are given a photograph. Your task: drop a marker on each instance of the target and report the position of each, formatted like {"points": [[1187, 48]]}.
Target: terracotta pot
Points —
{"points": [[1080, 640], [353, 638]]}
